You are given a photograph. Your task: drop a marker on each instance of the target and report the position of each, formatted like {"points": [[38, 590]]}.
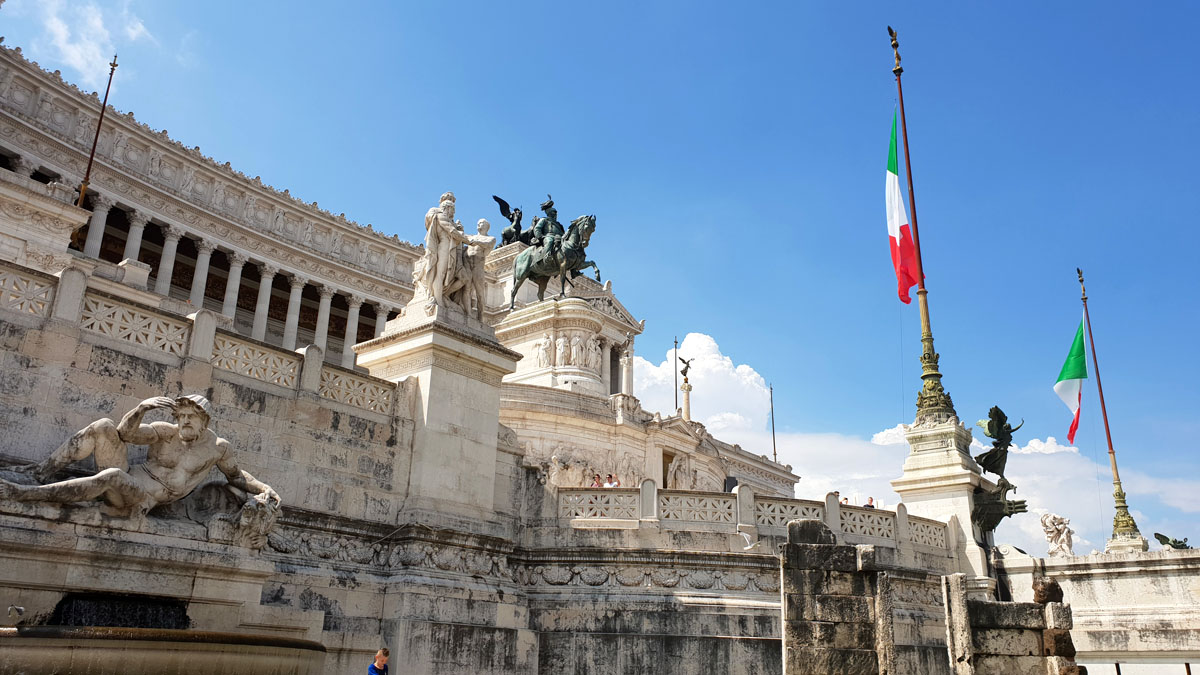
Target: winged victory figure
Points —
{"points": [[997, 428], [513, 231], [687, 364], [1168, 542]]}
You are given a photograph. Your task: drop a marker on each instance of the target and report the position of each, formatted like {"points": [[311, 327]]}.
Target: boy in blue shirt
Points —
{"points": [[380, 665]]}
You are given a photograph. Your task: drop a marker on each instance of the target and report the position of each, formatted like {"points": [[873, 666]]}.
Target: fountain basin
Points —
{"points": [[68, 650]]}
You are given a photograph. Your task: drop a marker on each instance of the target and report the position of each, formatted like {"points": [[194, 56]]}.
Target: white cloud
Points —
{"points": [[79, 37], [733, 402]]}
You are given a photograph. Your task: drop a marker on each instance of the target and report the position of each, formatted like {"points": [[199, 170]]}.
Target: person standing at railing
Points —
{"points": [[611, 482], [870, 503], [596, 482]]}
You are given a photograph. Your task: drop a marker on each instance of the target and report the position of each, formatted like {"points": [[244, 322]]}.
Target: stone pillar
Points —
{"points": [[137, 225], [236, 262], [101, 205], [25, 166], [687, 399], [166, 266], [939, 482], [292, 323], [266, 280], [381, 315], [606, 366], [351, 332], [321, 337], [451, 359], [627, 371], [204, 250]]}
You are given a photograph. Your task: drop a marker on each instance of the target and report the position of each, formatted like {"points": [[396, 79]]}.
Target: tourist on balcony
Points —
{"points": [[596, 482], [612, 482], [870, 503]]}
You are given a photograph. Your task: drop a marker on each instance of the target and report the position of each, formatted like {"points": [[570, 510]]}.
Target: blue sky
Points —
{"points": [[735, 161]]}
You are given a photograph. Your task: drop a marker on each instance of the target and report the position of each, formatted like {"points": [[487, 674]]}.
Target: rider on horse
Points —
{"points": [[547, 232]]}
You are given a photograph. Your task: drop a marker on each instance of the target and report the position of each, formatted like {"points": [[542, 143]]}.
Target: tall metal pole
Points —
{"points": [[932, 402], [674, 357], [96, 139], [1124, 526], [774, 450]]}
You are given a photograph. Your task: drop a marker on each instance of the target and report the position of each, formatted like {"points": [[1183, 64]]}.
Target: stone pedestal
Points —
{"points": [[563, 342], [687, 399], [939, 482], [458, 365], [1129, 544]]}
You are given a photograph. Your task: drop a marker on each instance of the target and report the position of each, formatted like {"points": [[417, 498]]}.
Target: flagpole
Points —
{"points": [[932, 402], [1124, 526], [96, 139], [774, 450], [674, 356]]}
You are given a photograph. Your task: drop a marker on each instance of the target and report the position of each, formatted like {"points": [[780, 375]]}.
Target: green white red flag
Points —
{"points": [[904, 256], [1070, 381]]}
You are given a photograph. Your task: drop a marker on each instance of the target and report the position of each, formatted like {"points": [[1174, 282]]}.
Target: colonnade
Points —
{"points": [[102, 206]]}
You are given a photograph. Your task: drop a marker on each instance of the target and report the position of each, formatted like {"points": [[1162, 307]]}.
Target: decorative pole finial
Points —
{"points": [[1082, 288], [896, 50]]}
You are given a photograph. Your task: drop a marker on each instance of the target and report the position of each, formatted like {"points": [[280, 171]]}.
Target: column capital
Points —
{"points": [[173, 232], [326, 291], [267, 270], [382, 308], [138, 218], [102, 203], [237, 259], [297, 281], [205, 247], [355, 301]]}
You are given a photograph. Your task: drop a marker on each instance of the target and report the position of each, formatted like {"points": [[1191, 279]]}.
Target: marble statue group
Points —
{"points": [[452, 268]]}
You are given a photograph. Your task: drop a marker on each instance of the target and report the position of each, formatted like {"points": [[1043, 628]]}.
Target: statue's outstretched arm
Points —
{"points": [[240, 478], [131, 429]]}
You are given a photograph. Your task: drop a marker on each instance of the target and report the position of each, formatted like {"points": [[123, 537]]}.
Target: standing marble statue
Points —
{"points": [[561, 351], [1058, 534], [577, 352], [179, 458], [544, 349], [442, 235], [471, 275]]}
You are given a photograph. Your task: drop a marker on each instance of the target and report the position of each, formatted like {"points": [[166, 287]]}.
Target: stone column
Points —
{"points": [[200, 276], [627, 371], [321, 336], [266, 280], [101, 205], [687, 399], [293, 314], [351, 332], [606, 366], [25, 166], [381, 315], [166, 266], [137, 225], [236, 262]]}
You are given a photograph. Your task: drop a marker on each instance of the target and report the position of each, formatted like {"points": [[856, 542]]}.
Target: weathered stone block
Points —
{"points": [[820, 557], [1058, 615], [1013, 642], [826, 582], [816, 661], [987, 614], [828, 634], [1057, 642], [834, 608], [809, 532], [988, 664]]}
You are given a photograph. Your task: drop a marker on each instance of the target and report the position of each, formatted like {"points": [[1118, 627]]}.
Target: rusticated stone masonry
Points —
{"points": [[1009, 638]]}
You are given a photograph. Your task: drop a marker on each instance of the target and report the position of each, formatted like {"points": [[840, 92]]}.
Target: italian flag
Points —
{"points": [[904, 256], [1070, 381]]}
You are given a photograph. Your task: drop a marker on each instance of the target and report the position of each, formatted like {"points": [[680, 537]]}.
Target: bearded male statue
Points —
{"points": [[179, 459]]}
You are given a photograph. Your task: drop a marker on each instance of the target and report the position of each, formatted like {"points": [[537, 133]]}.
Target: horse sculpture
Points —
{"points": [[541, 264]]}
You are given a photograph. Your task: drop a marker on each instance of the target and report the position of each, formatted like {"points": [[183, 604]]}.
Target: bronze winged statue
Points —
{"points": [[513, 232], [687, 364], [1168, 542], [997, 428]]}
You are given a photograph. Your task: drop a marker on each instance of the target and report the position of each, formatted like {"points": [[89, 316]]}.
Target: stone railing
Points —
{"points": [[255, 360], [137, 325], [357, 390], [26, 292], [70, 296], [744, 512]]}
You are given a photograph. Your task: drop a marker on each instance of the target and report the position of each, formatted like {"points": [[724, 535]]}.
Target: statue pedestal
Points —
{"points": [[588, 335], [1133, 544], [939, 482], [458, 366]]}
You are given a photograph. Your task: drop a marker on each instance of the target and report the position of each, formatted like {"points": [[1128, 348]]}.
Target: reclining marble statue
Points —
{"points": [[179, 459]]}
